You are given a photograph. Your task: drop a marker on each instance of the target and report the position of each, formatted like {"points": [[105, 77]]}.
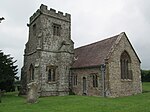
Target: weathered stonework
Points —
{"points": [[87, 73], [95, 69], [117, 86], [32, 95], [44, 49], [110, 83]]}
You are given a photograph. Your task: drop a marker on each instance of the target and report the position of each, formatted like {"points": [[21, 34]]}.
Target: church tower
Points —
{"points": [[49, 52]]}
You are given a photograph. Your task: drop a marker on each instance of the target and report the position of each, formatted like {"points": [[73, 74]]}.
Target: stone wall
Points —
{"points": [[45, 49], [25, 75], [87, 73], [117, 86], [63, 62]]}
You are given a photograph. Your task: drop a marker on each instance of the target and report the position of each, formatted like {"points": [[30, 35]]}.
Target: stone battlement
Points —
{"points": [[52, 12]]}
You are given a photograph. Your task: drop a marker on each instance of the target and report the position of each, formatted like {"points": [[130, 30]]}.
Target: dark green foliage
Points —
{"points": [[8, 72], [145, 75]]}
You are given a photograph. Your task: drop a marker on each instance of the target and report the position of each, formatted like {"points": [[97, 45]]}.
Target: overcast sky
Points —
{"points": [[92, 20]]}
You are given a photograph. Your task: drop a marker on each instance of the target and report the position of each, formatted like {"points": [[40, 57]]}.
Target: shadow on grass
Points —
{"points": [[145, 91]]}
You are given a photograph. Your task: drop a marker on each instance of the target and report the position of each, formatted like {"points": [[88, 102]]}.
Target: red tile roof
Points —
{"points": [[93, 54]]}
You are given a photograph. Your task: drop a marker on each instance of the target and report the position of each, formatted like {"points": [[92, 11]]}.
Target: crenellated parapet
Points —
{"points": [[52, 12]]}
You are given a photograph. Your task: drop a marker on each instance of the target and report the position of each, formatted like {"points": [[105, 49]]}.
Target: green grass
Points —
{"points": [[137, 103], [146, 87]]}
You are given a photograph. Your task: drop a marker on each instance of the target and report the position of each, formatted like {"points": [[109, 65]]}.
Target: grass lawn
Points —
{"points": [[137, 103]]}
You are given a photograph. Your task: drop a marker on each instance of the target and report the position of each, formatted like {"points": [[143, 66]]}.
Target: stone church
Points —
{"points": [[110, 67]]}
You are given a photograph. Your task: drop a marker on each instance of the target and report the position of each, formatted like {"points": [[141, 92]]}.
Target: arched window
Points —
{"points": [[31, 73], [125, 62]]}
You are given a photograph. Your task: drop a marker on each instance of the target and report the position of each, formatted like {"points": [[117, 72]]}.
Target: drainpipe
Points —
{"points": [[103, 78]]}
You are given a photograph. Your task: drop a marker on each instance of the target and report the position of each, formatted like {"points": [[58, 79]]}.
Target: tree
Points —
{"points": [[8, 72], [145, 74]]}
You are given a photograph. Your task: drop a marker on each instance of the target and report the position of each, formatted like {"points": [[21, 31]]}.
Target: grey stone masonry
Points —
{"points": [[116, 86], [49, 52], [32, 95], [88, 74], [109, 67]]}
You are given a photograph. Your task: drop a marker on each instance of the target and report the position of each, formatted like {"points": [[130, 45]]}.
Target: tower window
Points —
{"points": [[125, 62], [56, 29], [51, 73]]}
